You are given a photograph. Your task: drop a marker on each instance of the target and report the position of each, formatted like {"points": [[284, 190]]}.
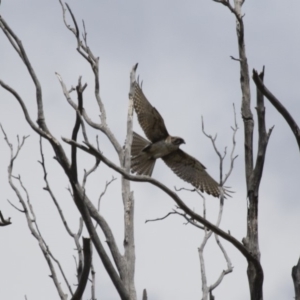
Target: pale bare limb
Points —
{"points": [[162, 218], [222, 157], [18, 46], [128, 197], [232, 156], [34, 220], [224, 272], [175, 212], [86, 52], [19, 146], [207, 290], [104, 191], [30, 216], [207, 235], [89, 172]]}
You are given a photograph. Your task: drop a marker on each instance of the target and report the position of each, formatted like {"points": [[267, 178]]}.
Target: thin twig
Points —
{"points": [[104, 191], [89, 172], [3, 221]]}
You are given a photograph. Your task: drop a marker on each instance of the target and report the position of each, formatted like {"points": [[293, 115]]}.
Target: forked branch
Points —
{"points": [[278, 105]]}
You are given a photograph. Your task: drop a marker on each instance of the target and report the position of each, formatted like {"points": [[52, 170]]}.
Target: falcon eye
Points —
{"points": [[179, 141]]}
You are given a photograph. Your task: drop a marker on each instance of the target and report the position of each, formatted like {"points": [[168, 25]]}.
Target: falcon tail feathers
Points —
{"points": [[141, 164], [138, 144]]}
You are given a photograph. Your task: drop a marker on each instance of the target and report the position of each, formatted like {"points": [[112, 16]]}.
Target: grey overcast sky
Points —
{"points": [[183, 49]]}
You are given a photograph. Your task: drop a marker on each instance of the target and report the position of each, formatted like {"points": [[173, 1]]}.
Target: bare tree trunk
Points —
{"points": [[253, 172], [128, 200], [296, 279], [255, 276]]}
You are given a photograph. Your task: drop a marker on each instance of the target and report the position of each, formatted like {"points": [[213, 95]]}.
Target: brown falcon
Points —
{"points": [[166, 147]]}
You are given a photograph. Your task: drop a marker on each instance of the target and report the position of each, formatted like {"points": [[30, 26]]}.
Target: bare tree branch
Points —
{"points": [[206, 291], [15, 207], [89, 172], [86, 52], [175, 212], [232, 156], [21, 51], [86, 269], [104, 191], [30, 216], [278, 105], [263, 138], [224, 272], [222, 157]]}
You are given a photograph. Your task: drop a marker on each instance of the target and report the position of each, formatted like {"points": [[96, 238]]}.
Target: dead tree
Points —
{"points": [[121, 269], [254, 169]]}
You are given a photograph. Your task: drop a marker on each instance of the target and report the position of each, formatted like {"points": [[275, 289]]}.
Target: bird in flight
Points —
{"points": [[162, 145]]}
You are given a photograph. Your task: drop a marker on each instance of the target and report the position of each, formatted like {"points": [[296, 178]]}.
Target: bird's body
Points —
{"points": [[160, 148], [162, 145]]}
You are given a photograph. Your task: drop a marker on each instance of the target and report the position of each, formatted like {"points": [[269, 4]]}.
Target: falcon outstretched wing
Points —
{"points": [[191, 170], [149, 118]]}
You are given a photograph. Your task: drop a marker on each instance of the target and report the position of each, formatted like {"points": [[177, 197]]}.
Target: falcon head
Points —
{"points": [[177, 141]]}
